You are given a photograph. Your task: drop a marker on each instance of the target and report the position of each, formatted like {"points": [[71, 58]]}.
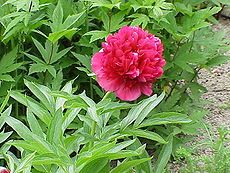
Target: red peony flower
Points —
{"points": [[4, 170], [129, 62]]}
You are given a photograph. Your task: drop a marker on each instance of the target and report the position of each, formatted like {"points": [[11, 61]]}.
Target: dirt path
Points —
{"points": [[217, 81]]}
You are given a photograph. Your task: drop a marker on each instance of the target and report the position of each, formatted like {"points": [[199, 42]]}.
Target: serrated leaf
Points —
{"points": [[140, 19], [55, 36], [35, 68], [95, 35], [6, 77]]}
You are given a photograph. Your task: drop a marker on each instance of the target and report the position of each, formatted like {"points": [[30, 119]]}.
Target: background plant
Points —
{"points": [[50, 42]]}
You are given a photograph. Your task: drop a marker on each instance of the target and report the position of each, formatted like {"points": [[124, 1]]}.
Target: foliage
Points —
{"points": [[217, 162], [71, 133], [50, 42]]}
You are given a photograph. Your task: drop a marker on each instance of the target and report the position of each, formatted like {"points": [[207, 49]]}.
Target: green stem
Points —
{"points": [[93, 128]]}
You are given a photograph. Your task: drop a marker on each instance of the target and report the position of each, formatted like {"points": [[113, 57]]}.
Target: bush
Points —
{"points": [[50, 42]]}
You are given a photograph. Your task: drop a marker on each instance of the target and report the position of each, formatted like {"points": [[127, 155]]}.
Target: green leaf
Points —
{"points": [[84, 59], [68, 89], [26, 162], [35, 68], [140, 19], [59, 55], [181, 7], [57, 18], [148, 109], [105, 3], [126, 166], [49, 159], [122, 145], [164, 156], [4, 136], [34, 58], [217, 60], [146, 166], [34, 106], [8, 59], [96, 165], [3, 104], [136, 111], [95, 35], [14, 22], [51, 70], [6, 77], [43, 94], [26, 134], [55, 36], [165, 118], [42, 50], [139, 112], [54, 132], [71, 20], [34, 125], [145, 134]]}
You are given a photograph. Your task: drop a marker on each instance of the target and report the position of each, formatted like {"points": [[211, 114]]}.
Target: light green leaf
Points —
{"points": [[51, 70], [217, 60], [34, 125], [140, 19], [126, 166], [42, 50], [26, 162], [145, 134], [55, 36], [4, 136], [84, 59], [54, 132], [57, 18], [59, 55], [34, 58], [37, 108], [42, 93], [95, 35], [71, 20], [164, 156], [165, 118], [6, 77], [35, 68], [148, 109]]}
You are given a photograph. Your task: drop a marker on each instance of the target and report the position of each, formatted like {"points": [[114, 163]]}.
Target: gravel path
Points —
{"points": [[217, 82]]}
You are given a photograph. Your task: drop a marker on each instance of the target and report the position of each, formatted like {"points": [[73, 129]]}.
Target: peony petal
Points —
{"points": [[111, 84], [146, 89], [97, 62], [128, 93]]}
